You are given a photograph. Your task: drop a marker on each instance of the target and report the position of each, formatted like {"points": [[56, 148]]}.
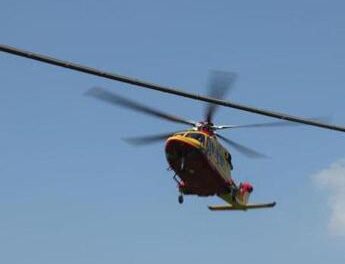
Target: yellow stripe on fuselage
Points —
{"points": [[187, 140]]}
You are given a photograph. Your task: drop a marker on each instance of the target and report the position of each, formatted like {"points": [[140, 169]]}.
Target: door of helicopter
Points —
{"points": [[218, 156]]}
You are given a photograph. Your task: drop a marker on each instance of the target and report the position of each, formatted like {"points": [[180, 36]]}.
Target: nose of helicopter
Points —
{"points": [[177, 147], [182, 141]]}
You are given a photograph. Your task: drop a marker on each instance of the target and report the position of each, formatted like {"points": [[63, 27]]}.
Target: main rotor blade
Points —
{"points": [[164, 89], [219, 85], [242, 149], [266, 124], [112, 98], [145, 140], [273, 124]]}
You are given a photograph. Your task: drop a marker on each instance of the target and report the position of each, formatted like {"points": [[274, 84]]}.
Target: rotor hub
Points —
{"points": [[206, 127]]}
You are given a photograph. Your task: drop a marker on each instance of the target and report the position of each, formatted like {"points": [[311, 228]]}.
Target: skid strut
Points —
{"points": [[177, 180]]}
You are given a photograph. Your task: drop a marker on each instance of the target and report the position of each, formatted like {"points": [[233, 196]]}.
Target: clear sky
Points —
{"points": [[71, 191]]}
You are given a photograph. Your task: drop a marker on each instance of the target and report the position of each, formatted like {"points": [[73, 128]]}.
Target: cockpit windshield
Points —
{"points": [[198, 136]]}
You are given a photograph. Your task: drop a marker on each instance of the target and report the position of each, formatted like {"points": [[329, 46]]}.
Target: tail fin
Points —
{"points": [[245, 189]]}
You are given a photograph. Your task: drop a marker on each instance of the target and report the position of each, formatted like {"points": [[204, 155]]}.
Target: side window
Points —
{"points": [[228, 158]]}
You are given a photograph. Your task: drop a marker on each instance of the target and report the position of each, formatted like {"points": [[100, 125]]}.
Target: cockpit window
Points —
{"points": [[198, 136]]}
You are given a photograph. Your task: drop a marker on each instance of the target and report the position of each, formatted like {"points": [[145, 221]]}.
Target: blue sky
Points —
{"points": [[72, 191]]}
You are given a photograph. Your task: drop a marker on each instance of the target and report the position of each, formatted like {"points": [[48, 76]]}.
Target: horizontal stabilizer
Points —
{"points": [[240, 207]]}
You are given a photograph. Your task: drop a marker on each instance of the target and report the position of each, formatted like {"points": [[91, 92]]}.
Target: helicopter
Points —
{"points": [[202, 166]]}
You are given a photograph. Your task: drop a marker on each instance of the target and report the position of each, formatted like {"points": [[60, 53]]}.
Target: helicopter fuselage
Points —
{"points": [[201, 163]]}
